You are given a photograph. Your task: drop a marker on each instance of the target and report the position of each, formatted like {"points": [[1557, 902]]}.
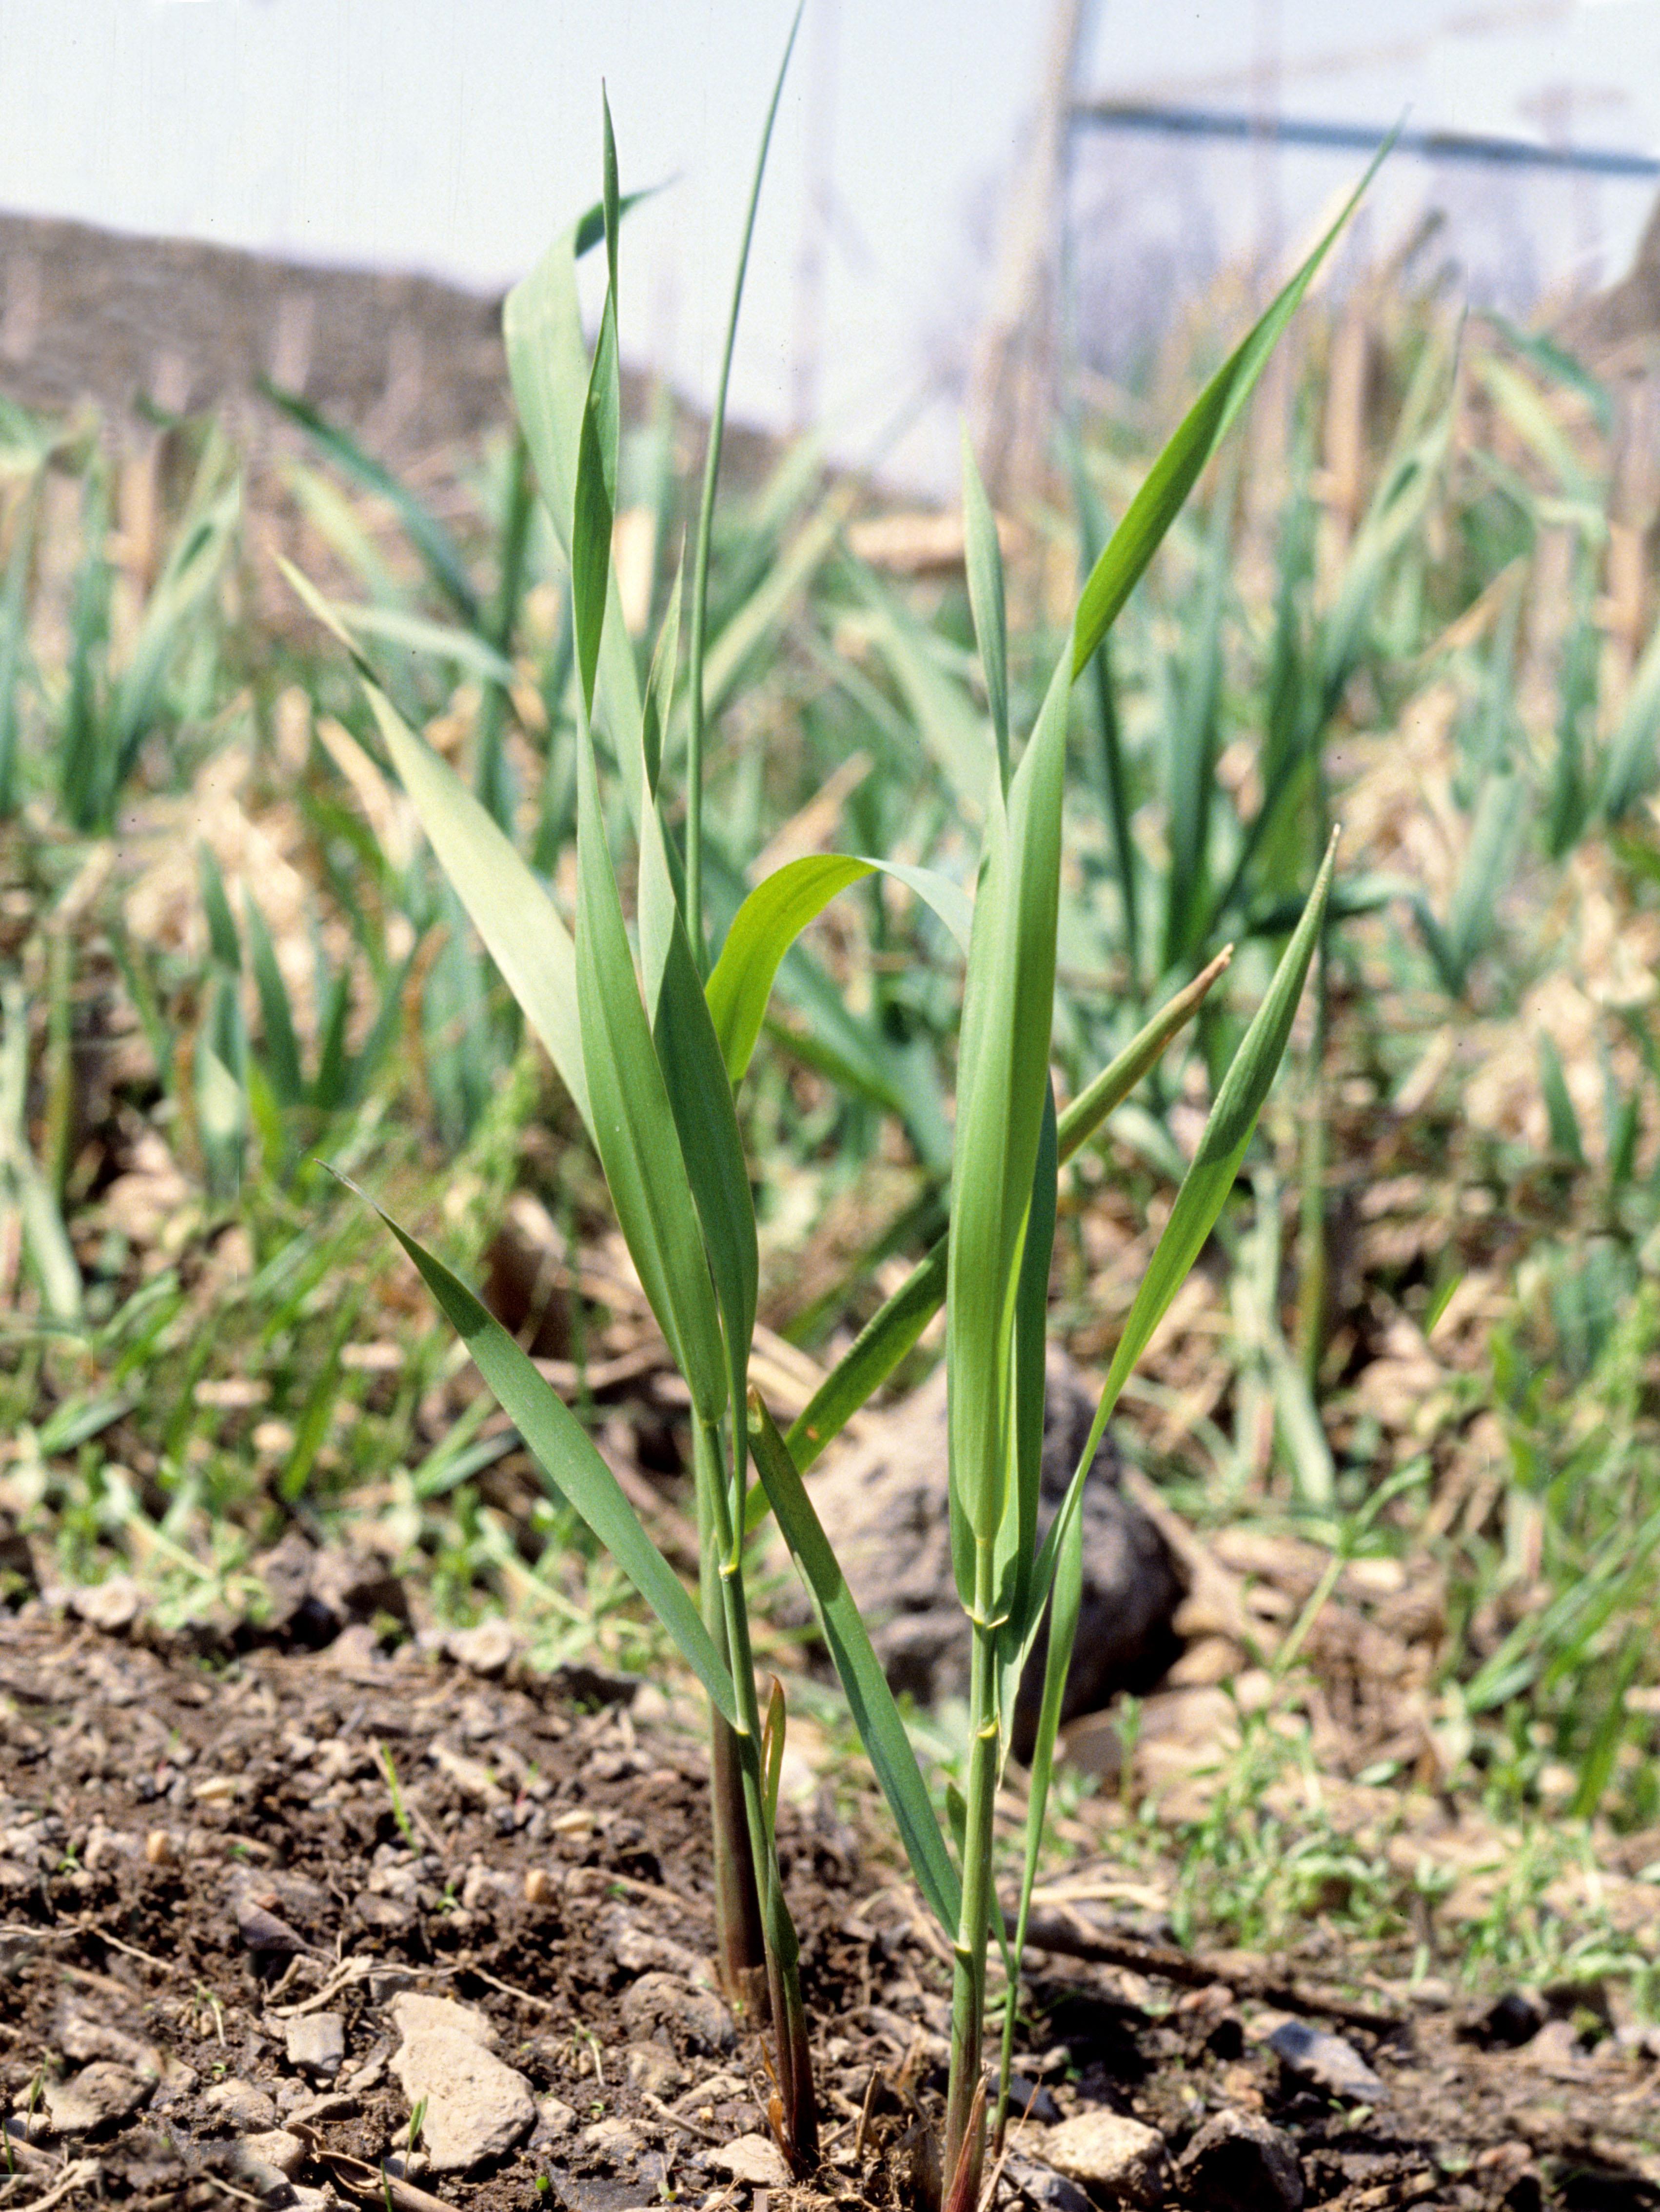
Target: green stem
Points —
{"points": [[968, 2008], [795, 2087], [1313, 1280], [1063, 1634], [700, 574], [740, 1945]]}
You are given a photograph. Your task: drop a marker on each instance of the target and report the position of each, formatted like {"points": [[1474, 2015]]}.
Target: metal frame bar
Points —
{"points": [[1356, 137]]}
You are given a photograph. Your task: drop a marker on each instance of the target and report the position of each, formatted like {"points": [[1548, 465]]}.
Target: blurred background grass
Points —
{"points": [[1417, 598]]}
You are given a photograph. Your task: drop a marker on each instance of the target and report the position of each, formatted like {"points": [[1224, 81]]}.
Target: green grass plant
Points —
{"points": [[652, 1060]]}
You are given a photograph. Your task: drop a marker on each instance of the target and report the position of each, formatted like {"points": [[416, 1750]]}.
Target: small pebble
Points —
{"points": [[1238, 2163], [159, 1848], [487, 1650], [477, 2108], [612, 2139], [651, 2067], [1044, 2187], [538, 1885], [756, 2160], [275, 2147], [317, 2043], [1107, 2151], [698, 2016], [554, 2118], [1315, 2055], [111, 1606], [246, 2107], [98, 2093], [413, 2011]]}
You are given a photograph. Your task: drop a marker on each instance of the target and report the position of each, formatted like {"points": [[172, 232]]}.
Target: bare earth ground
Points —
{"points": [[200, 1854]]}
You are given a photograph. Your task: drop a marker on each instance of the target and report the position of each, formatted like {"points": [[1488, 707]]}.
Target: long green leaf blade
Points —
{"points": [[1007, 1017], [1176, 471], [595, 508], [633, 1124], [431, 540], [1222, 1146], [566, 1454], [282, 1046], [984, 559], [895, 1328], [548, 368], [875, 1714], [519, 924]]}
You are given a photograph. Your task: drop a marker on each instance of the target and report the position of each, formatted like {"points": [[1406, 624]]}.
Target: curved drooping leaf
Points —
{"points": [[437, 641], [508, 906], [773, 916], [445, 561], [567, 1454]]}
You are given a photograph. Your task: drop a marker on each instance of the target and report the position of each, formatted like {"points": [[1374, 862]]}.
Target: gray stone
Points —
{"points": [[277, 2149], [882, 1495], [756, 2160], [696, 2018], [487, 1649], [332, 2105], [477, 2108], [1315, 2055], [244, 2107], [651, 2067], [99, 2093], [413, 2012], [1107, 2151], [613, 2140], [317, 2044], [554, 2118], [111, 1605], [1043, 2187], [1238, 2163]]}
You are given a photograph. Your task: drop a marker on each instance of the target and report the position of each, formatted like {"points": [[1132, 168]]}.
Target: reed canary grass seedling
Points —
{"points": [[653, 1058]]}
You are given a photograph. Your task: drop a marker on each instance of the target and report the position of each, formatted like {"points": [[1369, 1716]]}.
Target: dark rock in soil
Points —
{"points": [[1509, 2022], [1316, 2056], [1238, 2163], [882, 1499]]}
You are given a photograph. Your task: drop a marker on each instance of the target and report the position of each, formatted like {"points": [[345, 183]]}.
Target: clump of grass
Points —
{"points": [[652, 1062]]}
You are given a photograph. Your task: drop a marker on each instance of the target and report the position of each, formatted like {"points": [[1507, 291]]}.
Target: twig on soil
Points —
{"points": [[131, 1950], [1067, 1936], [524, 1996], [218, 2181], [666, 2112], [83, 2170], [349, 1970]]}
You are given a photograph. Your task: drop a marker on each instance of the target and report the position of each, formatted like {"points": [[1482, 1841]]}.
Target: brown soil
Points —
{"points": [[539, 1859]]}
